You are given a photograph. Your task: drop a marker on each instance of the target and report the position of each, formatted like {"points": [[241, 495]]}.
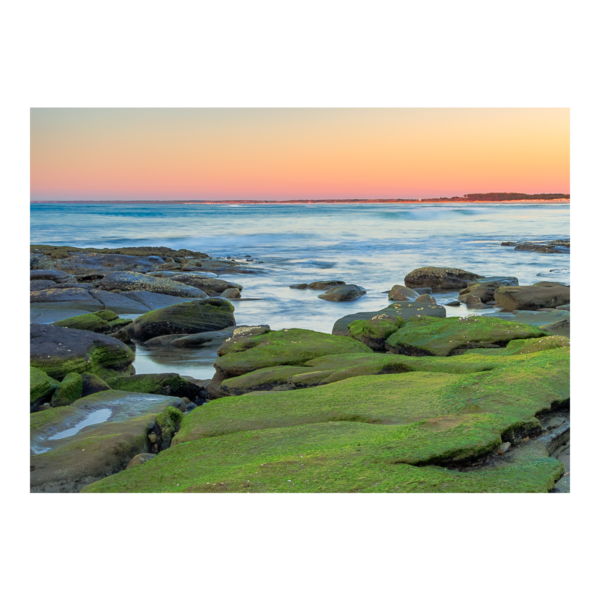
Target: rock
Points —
{"points": [[140, 459], [196, 316], [291, 347], [452, 303], [58, 351], [343, 293], [404, 310], [73, 298], [103, 321], [554, 247], [529, 297], [374, 331], [150, 300], [440, 278], [561, 327], [163, 340], [430, 336], [128, 281], [92, 384], [163, 384], [271, 378], [500, 280], [94, 265], [503, 447], [428, 299], [422, 290], [566, 307], [299, 286], [556, 322], [208, 338], [478, 293], [120, 303], [41, 284], [231, 293], [209, 285], [41, 388], [51, 275], [69, 390], [549, 284], [324, 285], [402, 293]]}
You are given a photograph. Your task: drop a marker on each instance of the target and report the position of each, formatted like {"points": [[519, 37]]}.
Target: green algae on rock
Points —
{"points": [[58, 351], [196, 316], [422, 336], [41, 387], [102, 321], [373, 332], [69, 390], [291, 347]]}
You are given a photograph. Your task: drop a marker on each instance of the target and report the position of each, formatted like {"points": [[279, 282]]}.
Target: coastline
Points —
{"points": [[296, 202]]}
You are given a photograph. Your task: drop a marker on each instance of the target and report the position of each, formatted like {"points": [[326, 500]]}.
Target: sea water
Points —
{"points": [[370, 245]]}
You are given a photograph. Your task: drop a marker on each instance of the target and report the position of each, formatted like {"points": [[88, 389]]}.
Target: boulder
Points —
{"points": [[128, 281], [299, 286], [209, 285], [402, 294], [430, 336], [500, 280], [292, 347], [69, 390], [58, 351], [120, 303], [440, 278], [260, 380], [529, 297], [150, 300], [164, 384], [51, 275], [324, 285], [94, 265], [92, 384], [478, 293], [140, 459], [231, 293], [374, 331], [405, 310], [41, 387], [422, 290], [65, 298], [102, 321], [427, 298], [343, 293], [196, 316]]}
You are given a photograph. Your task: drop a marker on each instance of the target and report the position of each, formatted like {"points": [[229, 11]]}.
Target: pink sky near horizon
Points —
{"points": [[212, 154]]}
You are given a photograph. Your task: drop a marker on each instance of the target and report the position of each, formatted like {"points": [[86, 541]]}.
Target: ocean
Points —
{"points": [[373, 246]]}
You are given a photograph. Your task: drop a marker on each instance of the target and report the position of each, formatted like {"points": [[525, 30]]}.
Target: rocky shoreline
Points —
{"points": [[402, 399]]}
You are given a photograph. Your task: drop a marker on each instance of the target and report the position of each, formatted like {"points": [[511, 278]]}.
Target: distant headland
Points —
{"points": [[469, 198]]}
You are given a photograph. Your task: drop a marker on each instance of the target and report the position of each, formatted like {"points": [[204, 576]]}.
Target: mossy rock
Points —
{"points": [[41, 387], [70, 389], [481, 292], [197, 316], [165, 384], [516, 347], [260, 380], [292, 347], [531, 297], [404, 432], [129, 281], [373, 332], [92, 384], [103, 321], [58, 351], [422, 336], [325, 457]]}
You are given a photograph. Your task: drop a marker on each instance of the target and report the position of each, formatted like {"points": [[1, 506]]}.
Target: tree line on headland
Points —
{"points": [[478, 197]]}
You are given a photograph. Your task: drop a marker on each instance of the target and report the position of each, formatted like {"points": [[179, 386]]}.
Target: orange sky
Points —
{"points": [[204, 154]]}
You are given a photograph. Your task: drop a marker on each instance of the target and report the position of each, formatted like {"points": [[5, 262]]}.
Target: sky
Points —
{"points": [[287, 153]]}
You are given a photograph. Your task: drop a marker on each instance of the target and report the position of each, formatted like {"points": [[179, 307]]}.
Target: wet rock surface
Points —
{"points": [[440, 278], [554, 247]]}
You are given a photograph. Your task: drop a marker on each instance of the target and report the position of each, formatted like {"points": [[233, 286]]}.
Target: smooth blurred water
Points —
{"points": [[374, 246]]}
